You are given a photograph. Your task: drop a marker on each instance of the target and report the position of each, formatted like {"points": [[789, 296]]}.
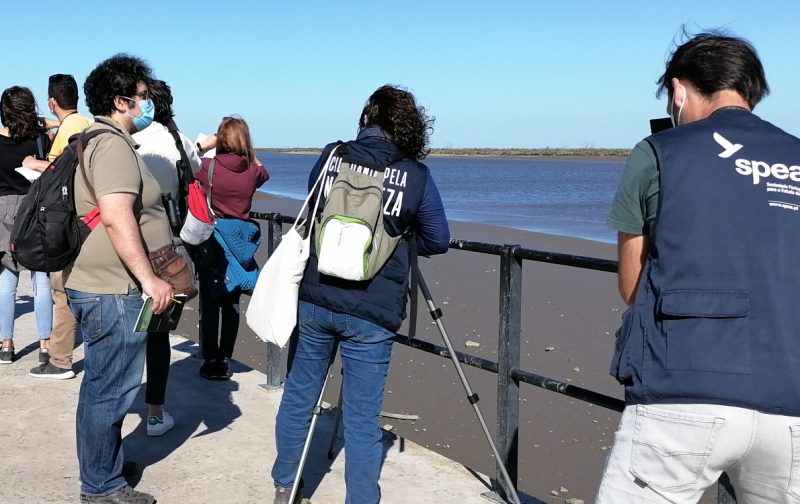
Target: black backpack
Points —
{"points": [[48, 233]]}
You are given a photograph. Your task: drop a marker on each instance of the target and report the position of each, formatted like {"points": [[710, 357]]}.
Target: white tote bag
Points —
{"points": [[272, 312]]}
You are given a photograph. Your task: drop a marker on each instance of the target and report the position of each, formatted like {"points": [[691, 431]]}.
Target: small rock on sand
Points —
{"points": [[471, 343]]}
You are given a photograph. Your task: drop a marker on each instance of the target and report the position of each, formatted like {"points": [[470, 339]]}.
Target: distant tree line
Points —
{"points": [[477, 151]]}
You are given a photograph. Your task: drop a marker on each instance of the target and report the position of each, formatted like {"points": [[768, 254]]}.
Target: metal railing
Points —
{"points": [[507, 367]]}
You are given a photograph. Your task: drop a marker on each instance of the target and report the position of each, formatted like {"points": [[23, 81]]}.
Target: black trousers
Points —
{"points": [[217, 340], [158, 356]]}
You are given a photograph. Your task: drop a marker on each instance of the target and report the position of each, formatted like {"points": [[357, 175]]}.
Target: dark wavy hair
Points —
{"points": [[713, 61], [161, 94], [64, 90], [116, 76], [396, 112], [18, 113]]}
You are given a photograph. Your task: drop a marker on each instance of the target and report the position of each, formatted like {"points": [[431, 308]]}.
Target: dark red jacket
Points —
{"points": [[234, 183]]}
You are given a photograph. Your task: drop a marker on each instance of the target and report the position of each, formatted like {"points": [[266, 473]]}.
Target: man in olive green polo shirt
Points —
{"points": [[106, 282]]}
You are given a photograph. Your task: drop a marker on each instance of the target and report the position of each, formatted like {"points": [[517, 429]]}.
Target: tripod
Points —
{"points": [[472, 397]]}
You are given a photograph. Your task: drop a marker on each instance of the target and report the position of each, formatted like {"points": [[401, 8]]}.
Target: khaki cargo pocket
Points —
{"points": [[707, 330], [670, 449], [794, 476]]}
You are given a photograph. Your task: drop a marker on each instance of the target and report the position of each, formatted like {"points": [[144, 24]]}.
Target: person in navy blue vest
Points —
{"points": [[708, 214], [362, 317]]}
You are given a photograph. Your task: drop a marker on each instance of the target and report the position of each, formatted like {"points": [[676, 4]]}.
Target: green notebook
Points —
{"points": [[147, 321]]}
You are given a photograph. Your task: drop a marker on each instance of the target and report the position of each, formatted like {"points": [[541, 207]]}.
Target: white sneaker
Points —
{"points": [[158, 427]]}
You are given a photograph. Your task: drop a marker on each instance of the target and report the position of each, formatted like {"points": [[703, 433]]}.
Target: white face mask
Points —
{"points": [[676, 120]]}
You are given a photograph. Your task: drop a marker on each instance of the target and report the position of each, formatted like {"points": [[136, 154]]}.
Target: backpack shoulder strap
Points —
{"points": [[83, 141], [40, 146], [185, 167]]}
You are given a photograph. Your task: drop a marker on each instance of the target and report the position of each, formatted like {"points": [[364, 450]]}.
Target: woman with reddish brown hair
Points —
{"points": [[226, 262]]}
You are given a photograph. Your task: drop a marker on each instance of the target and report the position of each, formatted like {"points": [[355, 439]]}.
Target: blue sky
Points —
{"points": [[495, 74]]}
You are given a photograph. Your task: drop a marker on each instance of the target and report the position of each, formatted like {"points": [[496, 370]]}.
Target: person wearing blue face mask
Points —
{"points": [[146, 114], [106, 281]]}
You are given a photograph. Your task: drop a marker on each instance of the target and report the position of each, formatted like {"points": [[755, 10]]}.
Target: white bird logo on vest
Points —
{"points": [[730, 147]]}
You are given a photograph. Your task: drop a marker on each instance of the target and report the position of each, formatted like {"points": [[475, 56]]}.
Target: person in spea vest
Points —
{"points": [[709, 228]]}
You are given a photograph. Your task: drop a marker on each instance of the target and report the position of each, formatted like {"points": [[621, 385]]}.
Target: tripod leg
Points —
{"points": [[315, 414], [472, 397], [336, 421]]}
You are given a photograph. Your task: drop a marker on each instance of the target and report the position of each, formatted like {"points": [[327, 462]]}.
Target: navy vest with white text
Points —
{"points": [[716, 318], [381, 300]]}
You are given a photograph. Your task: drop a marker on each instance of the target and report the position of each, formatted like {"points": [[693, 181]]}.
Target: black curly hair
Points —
{"points": [[396, 112], [161, 94], [18, 113], [117, 76]]}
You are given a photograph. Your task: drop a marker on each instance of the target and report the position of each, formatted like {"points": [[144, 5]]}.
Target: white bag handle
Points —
{"points": [[211, 187], [318, 185]]}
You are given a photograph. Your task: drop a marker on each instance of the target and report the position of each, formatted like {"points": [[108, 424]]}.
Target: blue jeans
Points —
{"points": [[114, 358], [42, 303], [365, 351]]}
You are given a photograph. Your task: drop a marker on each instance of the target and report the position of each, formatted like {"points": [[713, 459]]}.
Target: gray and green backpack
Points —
{"points": [[351, 240]]}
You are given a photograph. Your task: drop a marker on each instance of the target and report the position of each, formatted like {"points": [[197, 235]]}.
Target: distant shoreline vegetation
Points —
{"points": [[486, 152]]}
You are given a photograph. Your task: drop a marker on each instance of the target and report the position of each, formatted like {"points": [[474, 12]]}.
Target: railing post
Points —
{"points": [[725, 493], [508, 359], [274, 353]]}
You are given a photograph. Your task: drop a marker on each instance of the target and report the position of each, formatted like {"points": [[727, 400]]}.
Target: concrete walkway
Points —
{"points": [[220, 450]]}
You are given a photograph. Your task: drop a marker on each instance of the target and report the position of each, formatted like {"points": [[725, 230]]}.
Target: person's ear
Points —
{"points": [[678, 92], [121, 104]]}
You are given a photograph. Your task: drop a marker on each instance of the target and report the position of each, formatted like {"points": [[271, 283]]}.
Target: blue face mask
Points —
{"points": [[144, 119]]}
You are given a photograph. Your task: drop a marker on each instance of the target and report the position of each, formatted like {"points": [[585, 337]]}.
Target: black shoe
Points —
{"points": [[223, 371], [130, 469], [7, 355], [125, 495], [47, 370], [44, 356], [209, 369]]}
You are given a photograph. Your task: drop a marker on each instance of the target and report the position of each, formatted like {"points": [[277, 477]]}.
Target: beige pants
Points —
{"points": [[62, 337]]}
